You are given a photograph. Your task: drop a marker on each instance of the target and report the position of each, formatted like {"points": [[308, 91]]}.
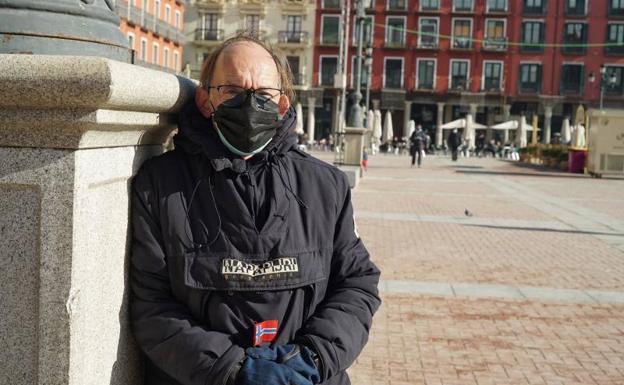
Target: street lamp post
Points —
{"points": [[605, 80], [355, 114], [368, 63]]}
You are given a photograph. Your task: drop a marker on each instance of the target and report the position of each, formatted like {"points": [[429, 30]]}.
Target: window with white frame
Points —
{"points": [[425, 73], [395, 31], [615, 79], [463, 5], [616, 7], [157, 9], [295, 69], [492, 75], [575, 7], [166, 57], [615, 38], [428, 32], [143, 49], [131, 40], [530, 77], [177, 19], [168, 13], [574, 37], [534, 6], [429, 5], [328, 67], [532, 35], [459, 74], [393, 72], [497, 5], [155, 53], [495, 34], [462, 33], [572, 78], [368, 31], [252, 25], [396, 5], [330, 27], [176, 58]]}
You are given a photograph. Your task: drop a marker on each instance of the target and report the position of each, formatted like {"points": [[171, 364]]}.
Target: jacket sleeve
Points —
{"points": [[163, 327], [338, 330]]}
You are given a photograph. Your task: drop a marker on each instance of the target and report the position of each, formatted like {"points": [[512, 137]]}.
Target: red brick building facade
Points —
{"points": [[436, 60], [155, 31]]}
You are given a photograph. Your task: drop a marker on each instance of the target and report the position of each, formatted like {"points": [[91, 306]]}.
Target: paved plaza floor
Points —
{"points": [[528, 288]]}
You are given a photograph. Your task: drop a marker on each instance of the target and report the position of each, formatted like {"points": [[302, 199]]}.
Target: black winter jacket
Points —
{"points": [[220, 243]]}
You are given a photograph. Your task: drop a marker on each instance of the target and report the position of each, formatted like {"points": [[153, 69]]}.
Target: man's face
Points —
{"points": [[246, 65]]}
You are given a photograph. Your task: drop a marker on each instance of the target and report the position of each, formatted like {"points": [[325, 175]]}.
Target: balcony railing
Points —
{"points": [[532, 47], [331, 4], [614, 48], [430, 44], [459, 84], [208, 34], [148, 21], [530, 88], [492, 85], [293, 37], [495, 43], [615, 11], [462, 43], [395, 43], [298, 79], [397, 5], [571, 88], [576, 47]]}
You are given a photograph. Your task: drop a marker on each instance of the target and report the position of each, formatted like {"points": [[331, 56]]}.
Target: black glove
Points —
{"points": [[297, 357]]}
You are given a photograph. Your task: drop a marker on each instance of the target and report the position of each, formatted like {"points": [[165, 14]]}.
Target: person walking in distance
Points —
{"points": [[453, 142], [417, 144]]}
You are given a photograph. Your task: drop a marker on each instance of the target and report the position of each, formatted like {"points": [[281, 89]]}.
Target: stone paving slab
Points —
{"points": [[458, 289], [427, 340], [448, 252], [529, 290]]}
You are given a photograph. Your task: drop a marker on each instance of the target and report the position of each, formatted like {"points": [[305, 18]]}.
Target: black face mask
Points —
{"points": [[247, 123]]}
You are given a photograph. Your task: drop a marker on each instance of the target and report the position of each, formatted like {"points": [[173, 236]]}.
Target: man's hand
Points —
{"points": [[279, 365]]}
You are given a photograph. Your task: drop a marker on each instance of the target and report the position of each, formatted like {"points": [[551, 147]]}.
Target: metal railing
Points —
{"points": [[397, 5], [462, 42], [395, 43], [293, 37], [495, 43], [209, 34]]}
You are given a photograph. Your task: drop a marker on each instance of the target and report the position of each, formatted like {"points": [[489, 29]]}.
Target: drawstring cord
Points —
{"points": [[279, 161], [188, 219]]}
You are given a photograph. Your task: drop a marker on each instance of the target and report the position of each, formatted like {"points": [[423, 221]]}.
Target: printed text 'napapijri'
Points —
{"points": [[275, 268]]}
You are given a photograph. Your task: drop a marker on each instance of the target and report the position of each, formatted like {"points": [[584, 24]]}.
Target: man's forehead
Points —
{"points": [[246, 58]]}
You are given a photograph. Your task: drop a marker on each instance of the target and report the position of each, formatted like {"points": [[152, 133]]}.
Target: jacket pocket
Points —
{"points": [[212, 271]]}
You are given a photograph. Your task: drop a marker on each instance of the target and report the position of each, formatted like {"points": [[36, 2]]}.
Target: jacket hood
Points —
{"points": [[196, 134]]}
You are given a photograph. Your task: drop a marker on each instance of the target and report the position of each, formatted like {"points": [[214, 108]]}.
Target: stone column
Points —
{"points": [[548, 111], [311, 122], [473, 110], [506, 114], [407, 112], [376, 103], [337, 116], [73, 131], [440, 121]]}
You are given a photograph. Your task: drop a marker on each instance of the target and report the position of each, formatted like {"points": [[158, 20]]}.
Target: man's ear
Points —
{"points": [[283, 104], [202, 98]]}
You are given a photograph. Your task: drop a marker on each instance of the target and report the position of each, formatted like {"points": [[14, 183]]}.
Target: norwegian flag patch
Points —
{"points": [[264, 331]]}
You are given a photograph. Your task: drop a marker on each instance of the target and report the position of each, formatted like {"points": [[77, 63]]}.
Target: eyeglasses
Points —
{"points": [[227, 91]]}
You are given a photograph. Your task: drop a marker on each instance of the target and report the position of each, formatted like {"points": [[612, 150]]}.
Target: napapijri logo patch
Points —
{"points": [[284, 267]]}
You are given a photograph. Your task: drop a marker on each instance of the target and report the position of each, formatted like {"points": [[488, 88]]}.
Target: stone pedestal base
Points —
{"points": [[73, 131]]}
